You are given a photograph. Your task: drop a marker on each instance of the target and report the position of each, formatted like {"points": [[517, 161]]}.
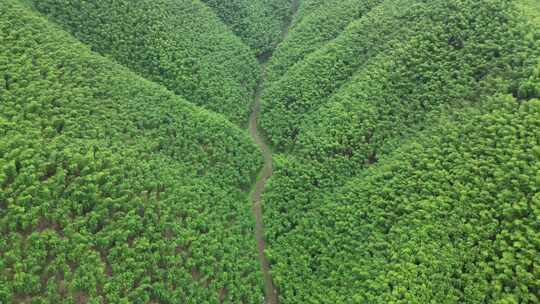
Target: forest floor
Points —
{"points": [[271, 293]]}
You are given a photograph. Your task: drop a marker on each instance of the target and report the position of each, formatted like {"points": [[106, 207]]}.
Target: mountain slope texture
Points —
{"points": [[114, 189], [394, 154], [258, 22], [178, 43]]}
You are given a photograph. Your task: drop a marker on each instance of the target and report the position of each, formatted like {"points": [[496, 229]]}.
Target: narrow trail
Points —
{"points": [[270, 291]]}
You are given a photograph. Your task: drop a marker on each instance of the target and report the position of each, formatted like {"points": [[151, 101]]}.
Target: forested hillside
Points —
{"points": [[394, 153], [258, 22], [178, 43], [113, 189], [315, 23], [450, 218], [372, 100], [391, 35]]}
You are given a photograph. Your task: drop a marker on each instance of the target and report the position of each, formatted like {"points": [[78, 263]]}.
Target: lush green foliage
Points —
{"points": [[114, 189], [531, 9], [258, 22], [315, 24], [353, 104], [389, 30], [178, 43], [452, 217], [409, 133]]}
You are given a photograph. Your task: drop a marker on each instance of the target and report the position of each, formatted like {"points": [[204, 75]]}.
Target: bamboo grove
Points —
{"points": [[405, 138]]}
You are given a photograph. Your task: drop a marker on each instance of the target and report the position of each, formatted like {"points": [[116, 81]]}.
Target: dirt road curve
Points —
{"points": [[271, 294], [266, 172]]}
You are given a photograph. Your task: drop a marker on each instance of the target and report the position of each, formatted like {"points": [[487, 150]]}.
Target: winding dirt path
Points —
{"points": [[270, 291]]}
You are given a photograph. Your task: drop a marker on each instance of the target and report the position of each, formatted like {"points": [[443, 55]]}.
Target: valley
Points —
{"points": [[269, 151]]}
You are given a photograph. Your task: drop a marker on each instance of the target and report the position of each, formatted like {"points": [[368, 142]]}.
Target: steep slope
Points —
{"points": [[350, 105], [113, 189], [258, 22], [315, 24], [409, 133], [391, 28], [308, 83], [449, 218], [178, 43]]}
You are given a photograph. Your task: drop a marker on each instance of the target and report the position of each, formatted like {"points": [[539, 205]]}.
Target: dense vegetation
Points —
{"points": [[316, 23], [531, 10], [113, 189], [408, 134], [379, 96], [450, 218], [178, 43], [392, 29], [258, 22]]}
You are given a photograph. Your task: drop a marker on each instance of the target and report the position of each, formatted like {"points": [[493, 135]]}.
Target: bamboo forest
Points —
{"points": [[270, 151]]}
